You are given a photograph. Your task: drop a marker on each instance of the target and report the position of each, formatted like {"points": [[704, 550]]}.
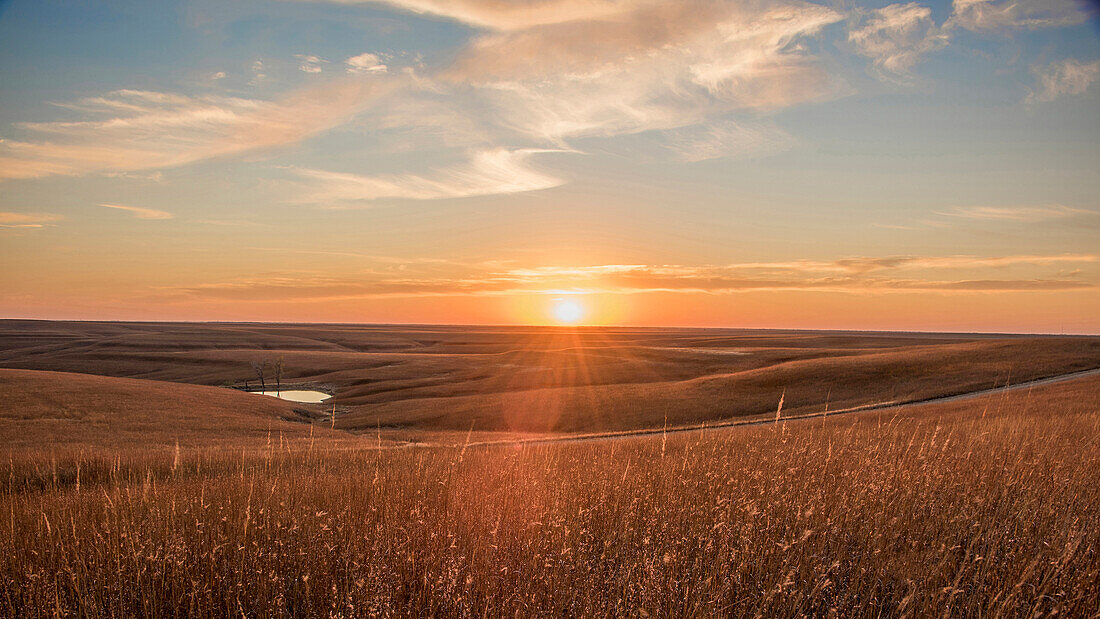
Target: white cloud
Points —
{"points": [[140, 212], [132, 130], [1019, 213], [9, 219], [660, 66], [1008, 15], [489, 172], [896, 36], [1065, 77], [309, 64], [506, 15], [551, 72], [365, 63], [727, 139], [258, 73], [548, 72]]}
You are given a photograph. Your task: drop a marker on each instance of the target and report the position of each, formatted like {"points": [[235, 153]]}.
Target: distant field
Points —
{"points": [[983, 507], [449, 379]]}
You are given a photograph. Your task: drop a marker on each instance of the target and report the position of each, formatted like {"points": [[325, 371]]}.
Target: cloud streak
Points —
{"points": [[870, 275], [506, 15], [727, 139], [140, 212], [1010, 15], [133, 130], [9, 219], [1018, 213], [896, 36], [489, 172]]}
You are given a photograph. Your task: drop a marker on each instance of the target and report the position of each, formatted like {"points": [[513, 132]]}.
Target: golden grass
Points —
{"points": [[986, 507]]}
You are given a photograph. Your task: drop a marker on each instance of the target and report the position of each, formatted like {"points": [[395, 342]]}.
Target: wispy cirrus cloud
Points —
{"points": [[140, 212], [849, 265], [1009, 15], [867, 275], [654, 66], [326, 288], [10, 219], [727, 138], [1046, 214], [855, 274], [1019, 213], [133, 130], [896, 36], [488, 172], [1061, 78], [321, 287], [504, 15], [863, 264]]}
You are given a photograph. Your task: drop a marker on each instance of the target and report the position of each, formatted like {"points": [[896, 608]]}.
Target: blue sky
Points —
{"points": [[679, 161]]}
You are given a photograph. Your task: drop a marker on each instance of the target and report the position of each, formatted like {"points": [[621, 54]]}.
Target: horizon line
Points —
{"points": [[556, 327]]}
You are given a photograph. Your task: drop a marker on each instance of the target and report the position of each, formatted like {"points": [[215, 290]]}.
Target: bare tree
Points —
{"points": [[260, 367], [277, 369]]}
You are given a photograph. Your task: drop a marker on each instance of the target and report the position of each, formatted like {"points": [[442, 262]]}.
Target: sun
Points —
{"points": [[567, 311]]}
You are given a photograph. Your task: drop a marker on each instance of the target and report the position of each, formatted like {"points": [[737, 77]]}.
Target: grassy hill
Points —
{"points": [[806, 385], [49, 411]]}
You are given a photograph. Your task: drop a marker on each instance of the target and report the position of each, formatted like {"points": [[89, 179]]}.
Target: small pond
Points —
{"points": [[297, 395]]}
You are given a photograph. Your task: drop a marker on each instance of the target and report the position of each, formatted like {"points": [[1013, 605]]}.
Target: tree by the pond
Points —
{"points": [[259, 368]]}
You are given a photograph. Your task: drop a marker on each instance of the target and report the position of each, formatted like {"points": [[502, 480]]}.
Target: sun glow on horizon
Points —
{"points": [[567, 311]]}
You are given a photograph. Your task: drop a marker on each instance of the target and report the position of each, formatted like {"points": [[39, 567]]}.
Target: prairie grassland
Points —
{"points": [[985, 507], [855, 378], [552, 380]]}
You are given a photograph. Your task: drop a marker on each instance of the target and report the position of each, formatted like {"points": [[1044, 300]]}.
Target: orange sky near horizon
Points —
{"points": [[1057, 312]]}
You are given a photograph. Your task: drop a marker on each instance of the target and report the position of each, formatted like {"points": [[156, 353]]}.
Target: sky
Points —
{"points": [[928, 166]]}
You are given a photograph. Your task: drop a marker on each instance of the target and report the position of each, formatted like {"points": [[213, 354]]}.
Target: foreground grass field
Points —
{"points": [[985, 507]]}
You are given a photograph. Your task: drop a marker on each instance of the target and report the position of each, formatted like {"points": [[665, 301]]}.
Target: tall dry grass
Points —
{"points": [[988, 508]]}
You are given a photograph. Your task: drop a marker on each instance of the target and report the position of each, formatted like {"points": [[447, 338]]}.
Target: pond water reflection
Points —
{"points": [[297, 395]]}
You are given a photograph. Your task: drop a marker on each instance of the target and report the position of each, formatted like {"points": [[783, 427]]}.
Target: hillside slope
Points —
{"points": [[59, 409]]}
